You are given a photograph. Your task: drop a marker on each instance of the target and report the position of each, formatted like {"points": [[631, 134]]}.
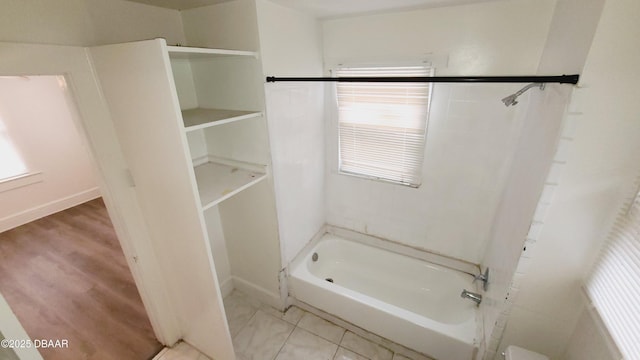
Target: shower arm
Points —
{"points": [[532, 85], [513, 98]]}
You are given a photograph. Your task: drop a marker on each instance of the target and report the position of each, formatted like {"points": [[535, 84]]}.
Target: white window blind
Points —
{"points": [[614, 284], [382, 126]]}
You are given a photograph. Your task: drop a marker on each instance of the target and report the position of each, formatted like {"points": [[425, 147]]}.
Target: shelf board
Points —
{"points": [[185, 52], [201, 118], [218, 182]]}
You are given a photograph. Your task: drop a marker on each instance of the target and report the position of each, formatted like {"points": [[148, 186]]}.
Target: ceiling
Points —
{"points": [[324, 8], [179, 4], [339, 8]]}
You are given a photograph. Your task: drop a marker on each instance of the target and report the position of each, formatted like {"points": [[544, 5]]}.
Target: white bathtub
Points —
{"points": [[412, 302]]}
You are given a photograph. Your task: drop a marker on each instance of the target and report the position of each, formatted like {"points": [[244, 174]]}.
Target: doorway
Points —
{"points": [[64, 275]]}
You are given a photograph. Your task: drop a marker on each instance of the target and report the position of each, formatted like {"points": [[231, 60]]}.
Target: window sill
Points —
{"points": [[373, 178], [20, 181]]}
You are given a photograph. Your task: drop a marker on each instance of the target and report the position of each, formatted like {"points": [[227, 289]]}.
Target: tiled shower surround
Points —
{"points": [[507, 273]]}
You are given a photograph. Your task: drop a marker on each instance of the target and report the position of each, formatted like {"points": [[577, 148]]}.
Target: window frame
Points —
{"points": [[431, 70]]}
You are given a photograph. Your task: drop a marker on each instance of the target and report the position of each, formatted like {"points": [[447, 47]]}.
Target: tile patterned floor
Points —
{"points": [[260, 332], [181, 351]]}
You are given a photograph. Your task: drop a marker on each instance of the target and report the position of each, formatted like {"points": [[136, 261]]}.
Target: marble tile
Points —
{"points": [[262, 337], [321, 327], [344, 354], [292, 315], [181, 351], [410, 355], [239, 308], [365, 347], [305, 345], [163, 352], [237, 295], [394, 347]]}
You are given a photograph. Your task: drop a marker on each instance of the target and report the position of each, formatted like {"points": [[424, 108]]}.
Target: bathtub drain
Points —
{"points": [[314, 257], [329, 280]]}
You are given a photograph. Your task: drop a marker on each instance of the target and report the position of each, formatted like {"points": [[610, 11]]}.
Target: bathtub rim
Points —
{"points": [[384, 244], [396, 247]]}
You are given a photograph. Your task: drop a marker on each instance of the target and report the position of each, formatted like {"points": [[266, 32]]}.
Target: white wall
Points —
{"points": [[39, 122], [228, 25], [589, 341], [570, 36], [117, 21], [86, 22], [290, 43], [494, 38], [602, 166], [600, 148], [470, 136]]}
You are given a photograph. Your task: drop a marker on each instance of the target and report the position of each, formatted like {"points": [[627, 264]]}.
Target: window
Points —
{"points": [[382, 126], [614, 284], [11, 165]]}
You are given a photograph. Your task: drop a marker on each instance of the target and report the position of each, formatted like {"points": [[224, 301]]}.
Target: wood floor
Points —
{"points": [[65, 277]]}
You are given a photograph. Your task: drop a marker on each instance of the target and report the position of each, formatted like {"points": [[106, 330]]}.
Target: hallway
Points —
{"points": [[65, 277]]}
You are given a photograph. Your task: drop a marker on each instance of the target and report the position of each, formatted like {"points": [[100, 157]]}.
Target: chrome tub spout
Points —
{"points": [[477, 298]]}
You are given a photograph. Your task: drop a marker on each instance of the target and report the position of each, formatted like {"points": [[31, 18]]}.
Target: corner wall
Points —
{"points": [[45, 136], [532, 161], [296, 122], [602, 168], [582, 190]]}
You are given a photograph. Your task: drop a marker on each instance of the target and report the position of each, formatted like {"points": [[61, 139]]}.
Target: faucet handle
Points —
{"points": [[484, 277]]}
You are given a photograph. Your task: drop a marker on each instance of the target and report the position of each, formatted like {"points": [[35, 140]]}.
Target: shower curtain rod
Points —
{"points": [[561, 79]]}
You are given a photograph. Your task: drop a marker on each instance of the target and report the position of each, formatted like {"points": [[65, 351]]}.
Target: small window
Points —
{"points": [[614, 285], [382, 126]]}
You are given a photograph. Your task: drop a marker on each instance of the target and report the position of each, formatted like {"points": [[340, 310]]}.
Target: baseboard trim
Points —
{"points": [[258, 292], [226, 287], [47, 209]]}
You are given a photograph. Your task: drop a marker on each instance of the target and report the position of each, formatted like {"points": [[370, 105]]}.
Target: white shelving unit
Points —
{"points": [[221, 97], [200, 118], [206, 81], [218, 182], [192, 129], [187, 52]]}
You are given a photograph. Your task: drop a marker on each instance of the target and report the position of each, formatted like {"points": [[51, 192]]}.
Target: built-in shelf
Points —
{"points": [[185, 52], [218, 182], [201, 118]]}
